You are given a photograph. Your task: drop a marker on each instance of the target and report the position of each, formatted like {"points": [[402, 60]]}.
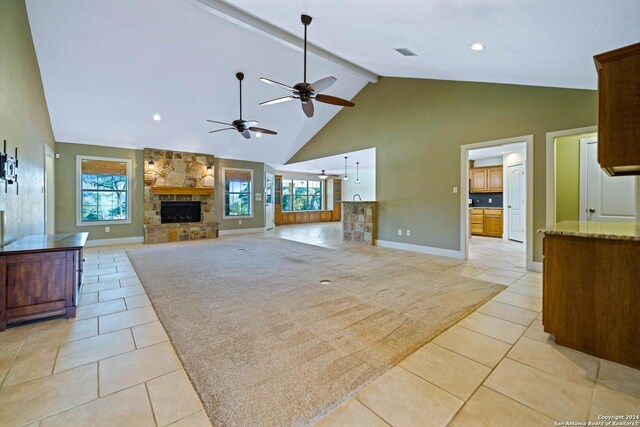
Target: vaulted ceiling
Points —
{"points": [[109, 66]]}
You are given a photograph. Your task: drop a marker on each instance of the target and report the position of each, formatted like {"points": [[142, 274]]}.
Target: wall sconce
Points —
{"points": [[151, 165], [209, 170]]}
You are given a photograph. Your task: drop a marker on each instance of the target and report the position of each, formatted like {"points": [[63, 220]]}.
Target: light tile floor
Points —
{"points": [[113, 365]]}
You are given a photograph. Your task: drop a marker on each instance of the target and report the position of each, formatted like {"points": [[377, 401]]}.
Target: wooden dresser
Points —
{"points": [[40, 276], [591, 288]]}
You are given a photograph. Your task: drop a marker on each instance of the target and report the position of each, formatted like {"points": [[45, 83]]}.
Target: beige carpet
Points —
{"points": [[266, 344]]}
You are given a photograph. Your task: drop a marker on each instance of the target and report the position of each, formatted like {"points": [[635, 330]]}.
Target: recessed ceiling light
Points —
{"points": [[258, 134], [476, 46], [157, 117]]}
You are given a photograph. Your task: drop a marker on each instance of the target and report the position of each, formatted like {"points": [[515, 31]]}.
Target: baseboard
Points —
{"points": [[422, 249], [534, 266], [241, 231], [118, 241]]}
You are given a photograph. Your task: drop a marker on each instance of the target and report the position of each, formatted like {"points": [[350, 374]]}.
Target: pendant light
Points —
{"points": [[357, 174], [346, 178], [323, 175]]}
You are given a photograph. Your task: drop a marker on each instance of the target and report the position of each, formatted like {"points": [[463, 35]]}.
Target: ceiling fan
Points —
{"points": [[306, 92], [245, 127]]}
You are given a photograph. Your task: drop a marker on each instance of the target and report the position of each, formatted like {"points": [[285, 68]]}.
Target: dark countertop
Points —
{"points": [[46, 242], [484, 207], [596, 230]]}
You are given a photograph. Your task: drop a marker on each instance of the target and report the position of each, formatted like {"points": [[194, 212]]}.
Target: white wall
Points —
{"points": [[366, 189], [494, 161]]}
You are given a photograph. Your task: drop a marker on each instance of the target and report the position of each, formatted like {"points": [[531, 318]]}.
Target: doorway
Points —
{"points": [[602, 197], [49, 190], [269, 218], [507, 162]]}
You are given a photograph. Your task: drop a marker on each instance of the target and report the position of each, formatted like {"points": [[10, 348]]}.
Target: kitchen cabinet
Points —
{"points": [[337, 199], [486, 180], [277, 200], [619, 110], [303, 217], [590, 288], [486, 222], [40, 276]]}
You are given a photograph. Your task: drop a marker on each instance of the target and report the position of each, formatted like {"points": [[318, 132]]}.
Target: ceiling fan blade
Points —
{"points": [[262, 130], [278, 84], [250, 123], [220, 123], [277, 100], [218, 130], [308, 108], [246, 134], [322, 85], [334, 100]]}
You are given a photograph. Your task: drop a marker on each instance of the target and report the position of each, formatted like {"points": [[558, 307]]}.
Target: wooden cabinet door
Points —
{"points": [[495, 179], [337, 198], [479, 180], [493, 225]]}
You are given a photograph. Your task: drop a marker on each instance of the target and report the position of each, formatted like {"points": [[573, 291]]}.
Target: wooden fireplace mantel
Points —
{"points": [[200, 191]]}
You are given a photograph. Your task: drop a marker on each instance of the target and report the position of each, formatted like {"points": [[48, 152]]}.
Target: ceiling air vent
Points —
{"points": [[404, 51]]}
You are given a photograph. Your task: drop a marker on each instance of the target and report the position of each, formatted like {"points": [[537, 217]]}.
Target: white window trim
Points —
{"points": [[224, 191], [79, 221]]}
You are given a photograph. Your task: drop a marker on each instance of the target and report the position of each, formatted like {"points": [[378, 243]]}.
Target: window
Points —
{"points": [[238, 184], [103, 190], [301, 195]]}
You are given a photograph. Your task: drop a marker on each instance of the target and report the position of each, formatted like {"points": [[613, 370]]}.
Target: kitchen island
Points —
{"points": [[359, 222], [591, 288]]}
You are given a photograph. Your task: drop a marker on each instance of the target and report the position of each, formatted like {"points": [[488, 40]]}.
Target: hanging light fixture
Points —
{"points": [[323, 175], [346, 178], [357, 174]]}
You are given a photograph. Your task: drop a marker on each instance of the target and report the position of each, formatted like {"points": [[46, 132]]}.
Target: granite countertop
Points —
{"points": [[485, 207], [596, 230], [358, 201], [46, 242]]}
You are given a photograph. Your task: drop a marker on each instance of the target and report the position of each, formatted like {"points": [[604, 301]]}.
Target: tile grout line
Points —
{"points": [[153, 410]]}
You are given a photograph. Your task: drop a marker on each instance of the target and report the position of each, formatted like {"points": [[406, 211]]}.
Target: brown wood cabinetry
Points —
{"points": [[486, 180], [306, 216], [40, 276], [486, 222], [591, 296], [277, 200], [337, 199], [619, 110]]}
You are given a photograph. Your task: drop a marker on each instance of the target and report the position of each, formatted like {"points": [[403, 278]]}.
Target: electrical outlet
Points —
{"points": [[399, 231], [107, 229], [408, 233], [455, 190], [240, 221]]}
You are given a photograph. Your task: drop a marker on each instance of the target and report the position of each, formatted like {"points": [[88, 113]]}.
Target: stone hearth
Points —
{"points": [[178, 176]]}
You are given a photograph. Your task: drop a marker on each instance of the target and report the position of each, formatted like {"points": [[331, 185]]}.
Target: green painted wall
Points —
{"points": [[418, 126], [568, 176], [24, 123], [66, 191], [258, 186]]}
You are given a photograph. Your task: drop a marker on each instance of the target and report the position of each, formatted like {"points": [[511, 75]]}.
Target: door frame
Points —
{"points": [[464, 205], [269, 177], [506, 200], [48, 186], [551, 168]]}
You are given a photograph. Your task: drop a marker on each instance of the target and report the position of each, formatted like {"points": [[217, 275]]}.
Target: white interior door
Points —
{"points": [[602, 197], [269, 194], [516, 191]]}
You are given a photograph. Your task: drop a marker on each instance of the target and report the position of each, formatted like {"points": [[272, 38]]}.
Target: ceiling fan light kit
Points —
{"points": [[323, 175], [304, 91], [244, 127]]}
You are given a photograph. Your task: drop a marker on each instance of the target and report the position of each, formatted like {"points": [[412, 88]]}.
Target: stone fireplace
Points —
{"points": [[178, 196]]}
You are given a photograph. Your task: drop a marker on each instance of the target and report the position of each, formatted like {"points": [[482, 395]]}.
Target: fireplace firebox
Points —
{"points": [[182, 211]]}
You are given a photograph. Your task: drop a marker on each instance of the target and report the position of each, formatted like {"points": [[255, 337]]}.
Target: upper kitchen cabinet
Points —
{"points": [[486, 180], [619, 110]]}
